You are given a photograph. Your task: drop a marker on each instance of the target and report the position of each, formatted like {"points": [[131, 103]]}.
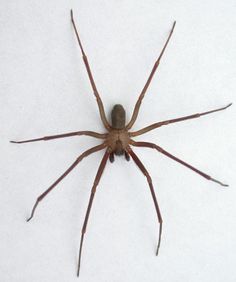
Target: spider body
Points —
{"points": [[118, 141], [118, 136]]}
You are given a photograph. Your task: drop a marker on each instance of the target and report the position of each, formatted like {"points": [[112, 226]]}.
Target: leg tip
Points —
{"points": [[219, 182], [27, 220]]}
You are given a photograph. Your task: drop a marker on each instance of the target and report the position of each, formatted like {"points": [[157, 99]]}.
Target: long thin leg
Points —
{"points": [[138, 103], [149, 180], [46, 138], [79, 159], [159, 124], [161, 150], [95, 184], [95, 91]]}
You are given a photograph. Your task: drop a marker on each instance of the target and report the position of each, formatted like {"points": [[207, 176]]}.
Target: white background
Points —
{"points": [[44, 90]]}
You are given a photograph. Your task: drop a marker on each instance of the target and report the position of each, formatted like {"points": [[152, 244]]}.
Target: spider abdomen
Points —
{"points": [[118, 117]]}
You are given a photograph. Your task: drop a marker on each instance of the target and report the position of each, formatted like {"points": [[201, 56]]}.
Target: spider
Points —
{"points": [[118, 141]]}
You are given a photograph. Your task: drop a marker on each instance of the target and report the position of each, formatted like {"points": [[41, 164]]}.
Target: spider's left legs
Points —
{"points": [[95, 184], [149, 179], [71, 167], [141, 96], [91, 79], [77, 133]]}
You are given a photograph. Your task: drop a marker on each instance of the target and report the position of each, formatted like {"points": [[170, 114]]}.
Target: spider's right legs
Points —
{"points": [[149, 180], [95, 91], [164, 152], [46, 138], [166, 122], [79, 159]]}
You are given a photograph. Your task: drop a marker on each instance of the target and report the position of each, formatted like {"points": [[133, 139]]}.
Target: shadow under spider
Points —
{"points": [[117, 141]]}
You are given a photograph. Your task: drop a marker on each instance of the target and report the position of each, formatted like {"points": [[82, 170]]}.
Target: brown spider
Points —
{"points": [[118, 140]]}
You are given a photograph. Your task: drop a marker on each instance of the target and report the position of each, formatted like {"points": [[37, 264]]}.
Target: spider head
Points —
{"points": [[118, 117]]}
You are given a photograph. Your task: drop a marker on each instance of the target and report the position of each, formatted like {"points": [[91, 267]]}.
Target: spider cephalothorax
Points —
{"points": [[118, 140]]}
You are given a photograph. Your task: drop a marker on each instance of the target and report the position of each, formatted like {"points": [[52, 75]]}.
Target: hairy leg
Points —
{"points": [[95, 184], [161, 150], [79, 159], [149, 180], [161, 123], [141, 96], [77, 133], [95, 91]]}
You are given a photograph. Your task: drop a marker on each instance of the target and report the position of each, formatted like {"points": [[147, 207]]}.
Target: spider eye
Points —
{"points": [[118, 117]]}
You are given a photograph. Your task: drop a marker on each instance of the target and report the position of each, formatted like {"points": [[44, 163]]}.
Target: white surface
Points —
{"points": [[45, 90]]}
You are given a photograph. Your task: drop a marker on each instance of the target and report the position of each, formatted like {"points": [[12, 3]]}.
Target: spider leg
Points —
{"points": [[46, 138], [83, 155], [95, 184], [95, 91], [78, 133], [159, 124], [161, 150], [141, 96], [149, 180]]}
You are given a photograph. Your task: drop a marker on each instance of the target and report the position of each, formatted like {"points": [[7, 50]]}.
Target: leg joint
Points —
{"points": [[149, 179]]}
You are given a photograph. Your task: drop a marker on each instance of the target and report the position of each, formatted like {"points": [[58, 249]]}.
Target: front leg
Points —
{"points": [[90, 75], [143, 92]]}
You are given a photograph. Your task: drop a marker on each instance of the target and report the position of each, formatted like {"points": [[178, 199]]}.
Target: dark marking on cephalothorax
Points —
{"points": [[118, 117]]}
